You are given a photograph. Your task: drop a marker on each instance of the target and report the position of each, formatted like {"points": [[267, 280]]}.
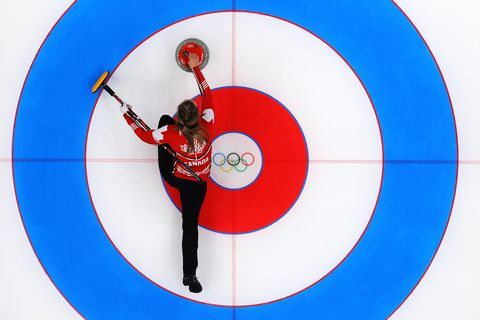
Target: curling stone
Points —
{"points": [[188, 46]]}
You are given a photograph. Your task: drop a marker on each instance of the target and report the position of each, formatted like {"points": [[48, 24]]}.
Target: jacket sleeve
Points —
{"points": [[206, 109], [147, 136]]}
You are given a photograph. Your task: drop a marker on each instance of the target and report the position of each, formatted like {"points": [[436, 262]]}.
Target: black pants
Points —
{"points": [[192, 195]]}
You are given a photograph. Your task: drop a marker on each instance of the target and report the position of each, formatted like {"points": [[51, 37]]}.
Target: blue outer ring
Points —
{"points": [[420, 155]]}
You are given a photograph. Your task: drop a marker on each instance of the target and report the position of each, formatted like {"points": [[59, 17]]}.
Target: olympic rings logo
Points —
{"points": [[233, 161]]}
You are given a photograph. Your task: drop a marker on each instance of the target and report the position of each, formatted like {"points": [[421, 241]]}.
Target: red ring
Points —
{"points": [[270, 196], [245, 162]]}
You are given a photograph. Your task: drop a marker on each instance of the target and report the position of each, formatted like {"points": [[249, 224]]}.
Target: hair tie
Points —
{"points": [[191, 126]]}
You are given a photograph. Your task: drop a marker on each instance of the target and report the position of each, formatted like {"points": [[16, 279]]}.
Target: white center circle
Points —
{"points": [[236, 160]]}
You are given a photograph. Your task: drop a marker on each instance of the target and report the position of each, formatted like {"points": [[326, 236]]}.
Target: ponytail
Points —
{"points": [[189, 125]]}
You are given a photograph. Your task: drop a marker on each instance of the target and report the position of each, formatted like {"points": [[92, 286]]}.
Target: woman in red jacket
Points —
{"points": [[189, 138]]}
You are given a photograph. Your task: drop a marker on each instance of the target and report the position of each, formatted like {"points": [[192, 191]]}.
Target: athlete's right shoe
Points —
{"points": [[193, 284]]}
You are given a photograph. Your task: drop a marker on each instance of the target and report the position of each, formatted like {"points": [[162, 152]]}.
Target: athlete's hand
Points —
{"points": [[193, 60], [125, 107]]}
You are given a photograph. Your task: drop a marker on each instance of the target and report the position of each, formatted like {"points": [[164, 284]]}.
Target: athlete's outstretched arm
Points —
{"points": [[148, 136], [206, 109]]}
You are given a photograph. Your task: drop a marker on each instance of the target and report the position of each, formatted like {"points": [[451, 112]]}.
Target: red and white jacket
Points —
{"points": [[200, 159]]}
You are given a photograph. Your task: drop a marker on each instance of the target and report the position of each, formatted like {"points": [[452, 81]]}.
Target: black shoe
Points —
{"points": [[192, 283]]}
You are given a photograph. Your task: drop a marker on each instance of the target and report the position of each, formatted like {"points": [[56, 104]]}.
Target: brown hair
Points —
{"points": [[189, 125]]}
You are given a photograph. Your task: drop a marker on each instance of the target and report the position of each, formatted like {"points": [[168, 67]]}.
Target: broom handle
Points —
{"points": [[141, 123]]}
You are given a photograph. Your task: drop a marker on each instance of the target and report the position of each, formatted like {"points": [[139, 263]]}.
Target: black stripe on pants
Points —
{"points": [[192, 195]]}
